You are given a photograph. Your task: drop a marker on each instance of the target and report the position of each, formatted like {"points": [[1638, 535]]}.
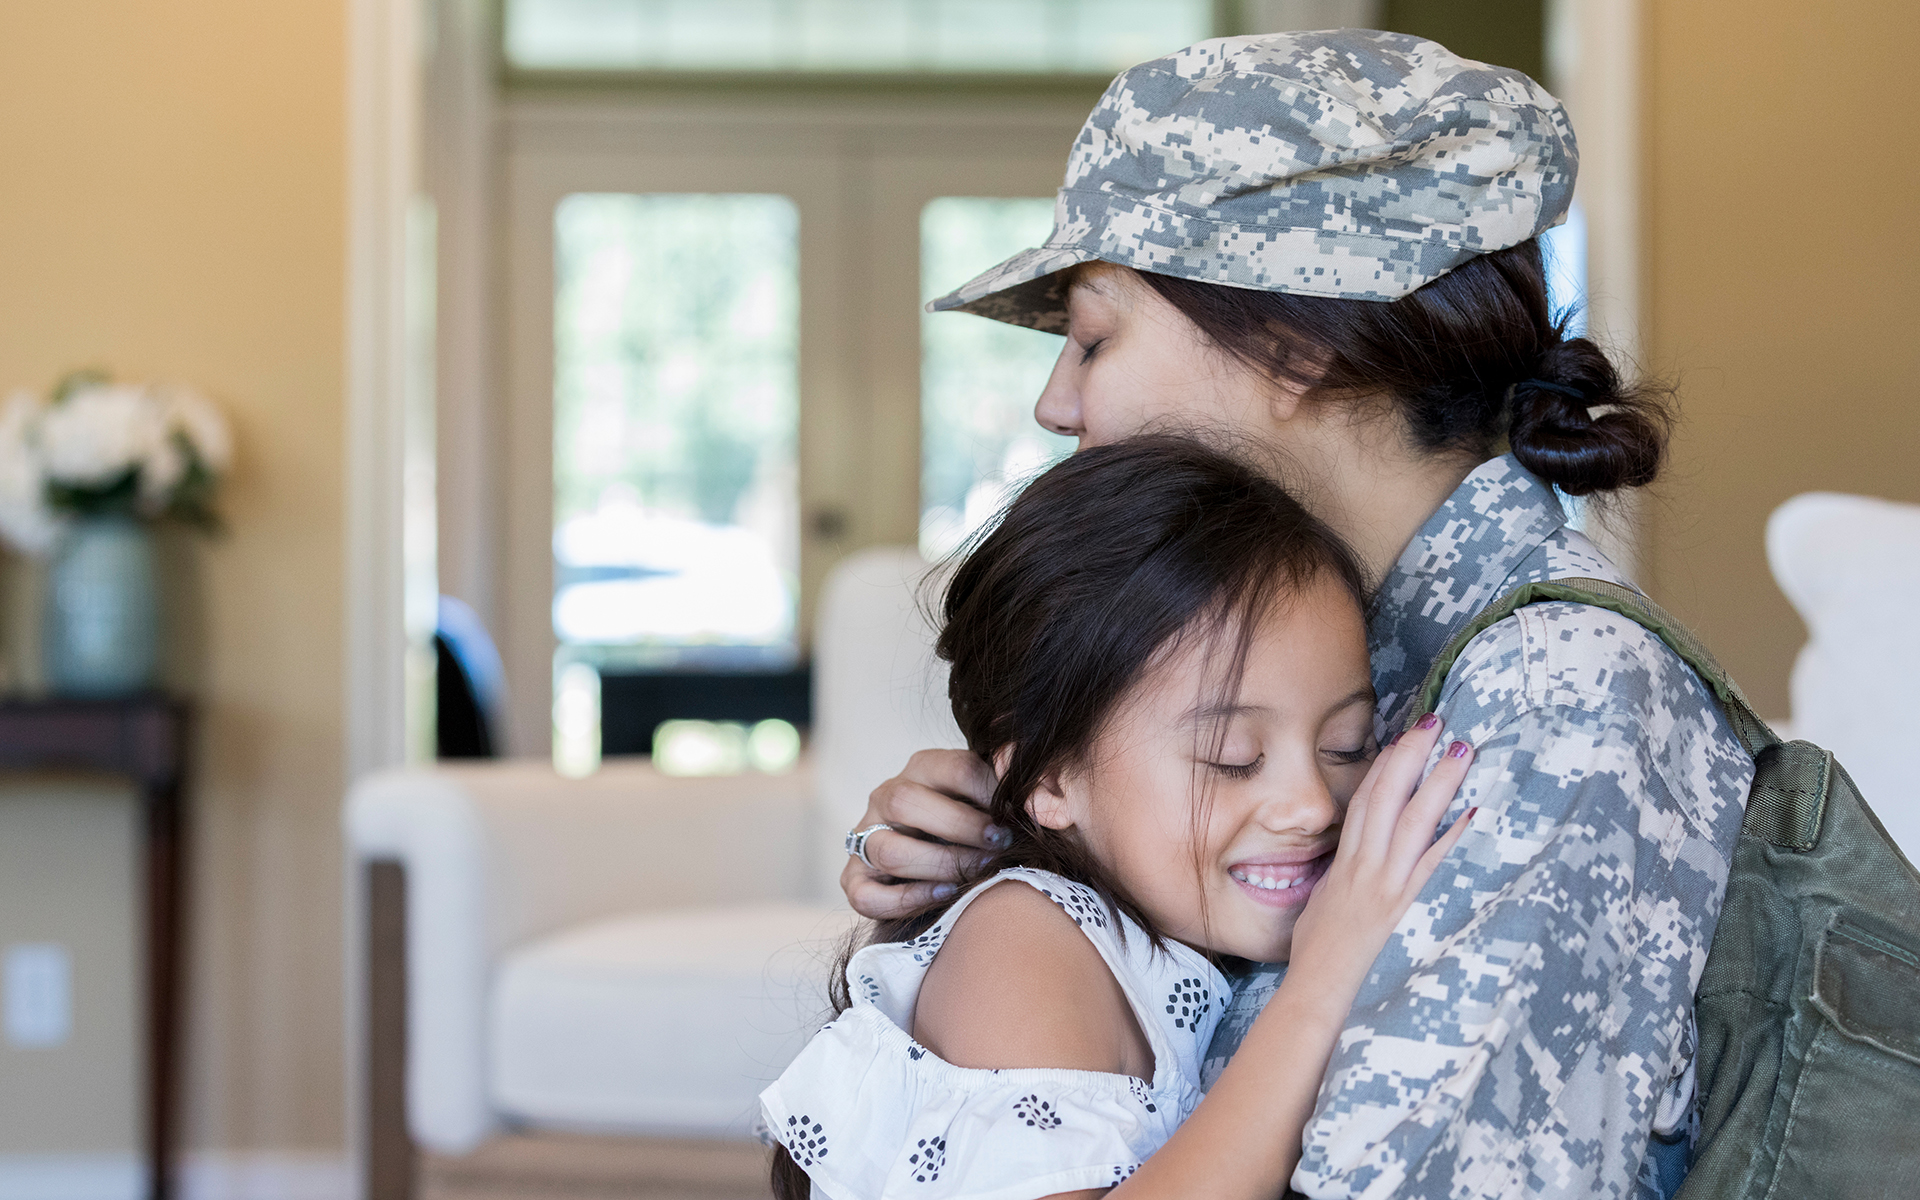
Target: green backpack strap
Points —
{"points": [[1790, 780]]}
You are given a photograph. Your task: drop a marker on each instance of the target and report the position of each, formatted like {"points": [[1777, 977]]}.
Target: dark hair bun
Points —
{"points": [[1574, 425], [1455, 357]]}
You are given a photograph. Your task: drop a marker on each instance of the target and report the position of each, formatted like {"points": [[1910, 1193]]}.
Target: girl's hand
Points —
{"points": [[1386, 855]]}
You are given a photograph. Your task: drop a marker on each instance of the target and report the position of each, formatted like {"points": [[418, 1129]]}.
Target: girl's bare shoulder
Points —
{"points": [[1017, 984]]}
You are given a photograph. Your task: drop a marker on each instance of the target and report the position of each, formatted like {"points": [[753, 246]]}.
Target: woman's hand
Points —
{"points": [[937, 808], [1386, 855]]}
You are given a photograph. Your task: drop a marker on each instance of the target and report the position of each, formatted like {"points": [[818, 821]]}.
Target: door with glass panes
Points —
{"points": [[721, 381]]}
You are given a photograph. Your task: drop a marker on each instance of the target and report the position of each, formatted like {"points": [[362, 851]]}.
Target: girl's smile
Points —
{"points": [[1217, 814], [1282, 881]]}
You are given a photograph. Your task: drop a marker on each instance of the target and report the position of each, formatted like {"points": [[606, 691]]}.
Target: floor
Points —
{"points": [[551, 1166]]}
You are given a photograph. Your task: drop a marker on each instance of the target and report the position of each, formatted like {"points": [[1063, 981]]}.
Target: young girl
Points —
{"points": [[1163, 657]]}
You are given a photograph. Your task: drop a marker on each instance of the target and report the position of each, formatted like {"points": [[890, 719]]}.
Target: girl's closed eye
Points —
{"points": [[1348, 757], [1240, 770]]}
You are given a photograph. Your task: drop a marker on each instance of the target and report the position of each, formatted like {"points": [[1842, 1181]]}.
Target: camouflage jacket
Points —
{"points": [[1531, 1020]]}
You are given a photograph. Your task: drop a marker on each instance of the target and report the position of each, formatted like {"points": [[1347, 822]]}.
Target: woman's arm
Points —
{"points": [[1531, 1017]]}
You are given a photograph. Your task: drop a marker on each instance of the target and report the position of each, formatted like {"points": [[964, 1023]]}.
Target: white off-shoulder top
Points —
{"points": [[870, 1114]]}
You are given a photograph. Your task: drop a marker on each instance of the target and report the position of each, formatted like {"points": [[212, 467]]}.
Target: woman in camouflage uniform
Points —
{"points": [[1326, 243]]}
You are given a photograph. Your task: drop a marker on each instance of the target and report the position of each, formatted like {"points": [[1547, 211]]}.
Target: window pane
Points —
{"points": [[978, 378], [676, 526], [1092, 36], [1565, 248]]}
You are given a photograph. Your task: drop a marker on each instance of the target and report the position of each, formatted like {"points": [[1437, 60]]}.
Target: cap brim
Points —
{"points": [[1024, 290]]}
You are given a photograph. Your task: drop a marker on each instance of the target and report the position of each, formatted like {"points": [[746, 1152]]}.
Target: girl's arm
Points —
{"points": [[1244, 1139], [1015, 984]]}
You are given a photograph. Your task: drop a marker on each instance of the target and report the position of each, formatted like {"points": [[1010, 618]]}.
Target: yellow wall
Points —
{"points": [[172, 205], [1783, 264]]}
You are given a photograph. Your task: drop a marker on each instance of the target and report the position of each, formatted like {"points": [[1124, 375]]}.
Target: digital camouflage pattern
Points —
{"points": [[1531, 1021], [1348, 163]]}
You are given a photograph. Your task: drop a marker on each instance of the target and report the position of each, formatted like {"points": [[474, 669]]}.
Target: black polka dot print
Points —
{"points": [[1036, 1112], [1188, 1002], [1080, 903], [928, 1157], [806, 1142], [926, 945], [1139, 1091]]}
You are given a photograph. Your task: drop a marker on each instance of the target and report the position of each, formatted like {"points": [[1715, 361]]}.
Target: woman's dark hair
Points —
{"points": [[1463, 357], [1103, 564]]}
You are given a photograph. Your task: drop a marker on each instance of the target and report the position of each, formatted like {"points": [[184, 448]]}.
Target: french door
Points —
{"points": [[714, 359]]}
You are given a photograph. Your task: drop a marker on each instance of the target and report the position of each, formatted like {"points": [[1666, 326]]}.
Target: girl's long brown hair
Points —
{"points": [[1105, 560]]}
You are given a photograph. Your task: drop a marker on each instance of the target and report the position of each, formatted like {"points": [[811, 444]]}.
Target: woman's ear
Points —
{"points": [[1285, 398]]}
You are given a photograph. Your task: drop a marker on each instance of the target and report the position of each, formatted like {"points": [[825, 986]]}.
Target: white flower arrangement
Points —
{"points": [[99, 448]]}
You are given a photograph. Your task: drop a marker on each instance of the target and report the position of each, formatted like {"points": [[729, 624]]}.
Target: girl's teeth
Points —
{"points": [[1267, 882]]}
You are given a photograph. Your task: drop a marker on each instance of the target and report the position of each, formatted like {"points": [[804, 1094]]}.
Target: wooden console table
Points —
{"points": [[143, 738]]}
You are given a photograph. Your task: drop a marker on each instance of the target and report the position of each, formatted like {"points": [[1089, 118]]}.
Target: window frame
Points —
{"points": [[862, 169], [1229, 17]]}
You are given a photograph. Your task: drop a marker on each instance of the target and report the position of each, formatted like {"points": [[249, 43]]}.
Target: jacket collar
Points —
{"points": [[1455, 566]]}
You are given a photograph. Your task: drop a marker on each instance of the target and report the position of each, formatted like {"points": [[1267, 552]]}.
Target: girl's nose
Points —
{"points": [[1058, 408], [1302, 806]]}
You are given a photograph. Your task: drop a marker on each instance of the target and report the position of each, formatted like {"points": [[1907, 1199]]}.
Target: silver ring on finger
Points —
{"points": [[856, 842]]}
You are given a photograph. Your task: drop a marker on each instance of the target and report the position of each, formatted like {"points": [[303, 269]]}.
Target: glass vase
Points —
{"points": [[102, 630]]}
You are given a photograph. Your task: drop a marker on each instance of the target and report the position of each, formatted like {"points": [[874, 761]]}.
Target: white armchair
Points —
{"points": [[1851, 566], [627, 952]]}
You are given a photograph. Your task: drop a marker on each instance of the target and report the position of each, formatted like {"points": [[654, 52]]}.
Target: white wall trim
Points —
{"points": [[458, 160], [383, 136], [1597, 45], [1594, 63], [383, 132]]}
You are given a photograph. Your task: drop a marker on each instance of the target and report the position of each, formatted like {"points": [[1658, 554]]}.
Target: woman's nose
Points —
{"points": [[1058, 409]]}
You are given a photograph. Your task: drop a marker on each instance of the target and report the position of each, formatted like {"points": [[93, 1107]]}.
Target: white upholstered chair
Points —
{"points": [[1851, 566], [635, 953], [627, 952]]}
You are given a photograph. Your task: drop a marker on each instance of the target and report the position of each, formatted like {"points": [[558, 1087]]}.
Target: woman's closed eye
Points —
{"points": [[1088, 350]]}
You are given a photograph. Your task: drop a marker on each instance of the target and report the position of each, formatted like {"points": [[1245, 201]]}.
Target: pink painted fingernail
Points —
{"points": [[1458, 750], [1470, 812], [1428, 721], [1393, 741], [998, 837]]}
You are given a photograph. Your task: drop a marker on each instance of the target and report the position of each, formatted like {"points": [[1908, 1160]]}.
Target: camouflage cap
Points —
{"points": [[1347, 163]]}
